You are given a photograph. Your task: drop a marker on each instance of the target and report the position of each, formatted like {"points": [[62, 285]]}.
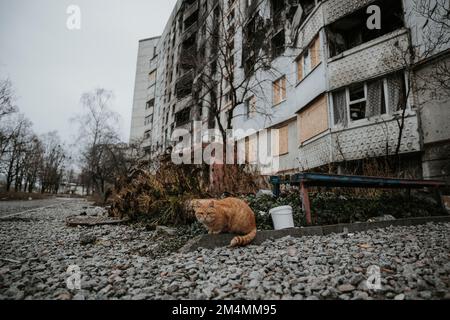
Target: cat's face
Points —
{"points": [[205, 213]]}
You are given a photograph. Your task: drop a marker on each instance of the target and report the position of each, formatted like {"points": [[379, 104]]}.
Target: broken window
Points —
{"points": [[278, 44], [148, 120], [183, 117], [150, 104], [277, 6], [352, 30], [370, 99], [184, 86], [357, 101]]}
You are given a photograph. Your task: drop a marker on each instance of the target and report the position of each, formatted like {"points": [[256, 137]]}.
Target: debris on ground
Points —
{"points": [[86, 239], [91, 221]]}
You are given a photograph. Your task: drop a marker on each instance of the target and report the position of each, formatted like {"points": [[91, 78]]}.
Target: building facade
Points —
{"points": [[144, 91], [341, 81]]}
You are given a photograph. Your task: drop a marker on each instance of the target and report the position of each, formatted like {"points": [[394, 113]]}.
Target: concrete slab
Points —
{"points": [[223, 240]]}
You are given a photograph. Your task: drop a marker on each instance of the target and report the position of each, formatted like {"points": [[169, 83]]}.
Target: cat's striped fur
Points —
{"points": [[230, 215]]}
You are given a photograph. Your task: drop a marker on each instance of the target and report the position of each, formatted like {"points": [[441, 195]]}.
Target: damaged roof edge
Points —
{"points": [[149, 39]]}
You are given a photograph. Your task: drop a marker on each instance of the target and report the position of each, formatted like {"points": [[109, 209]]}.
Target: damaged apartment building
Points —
{"points": [[340, 80]]}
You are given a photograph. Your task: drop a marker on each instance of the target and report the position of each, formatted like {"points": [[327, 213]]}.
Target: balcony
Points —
{"points": [[190, 9], [359, 142], [336, 9], [369, 60], [371, 140], [190, 30], [183, 86], [188, 57]]}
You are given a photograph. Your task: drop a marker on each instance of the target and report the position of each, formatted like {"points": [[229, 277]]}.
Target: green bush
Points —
{"points": [[335, 208]]}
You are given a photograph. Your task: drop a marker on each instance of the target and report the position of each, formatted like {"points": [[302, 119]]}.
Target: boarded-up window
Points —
{"points": [[251, 150], [284, 140], [279, 91], [315, 52], [300, 68], [313, 120]]}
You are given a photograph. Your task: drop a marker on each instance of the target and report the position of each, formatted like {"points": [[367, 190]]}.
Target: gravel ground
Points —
{"points": [[116, 262]]}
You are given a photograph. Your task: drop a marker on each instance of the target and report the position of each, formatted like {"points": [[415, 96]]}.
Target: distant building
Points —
{"points": [[144, 92], [342, 92]]}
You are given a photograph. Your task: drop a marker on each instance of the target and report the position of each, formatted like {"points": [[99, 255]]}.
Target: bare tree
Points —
{"points": [[431, 43], [221, 84], [98, 131], [435, 42], [15, 150], [6, 98], [53, 163]]}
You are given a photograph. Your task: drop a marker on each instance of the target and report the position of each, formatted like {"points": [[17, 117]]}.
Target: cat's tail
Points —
{"points": [[243, 240]]}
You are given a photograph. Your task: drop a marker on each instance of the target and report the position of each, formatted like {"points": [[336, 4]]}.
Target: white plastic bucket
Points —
{"points": [[282, 217]]}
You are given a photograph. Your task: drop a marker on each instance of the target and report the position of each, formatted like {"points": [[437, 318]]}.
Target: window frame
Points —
{"points": [[249, 113], [301, 61], [350, 103], [390, 110], [281, 91]]}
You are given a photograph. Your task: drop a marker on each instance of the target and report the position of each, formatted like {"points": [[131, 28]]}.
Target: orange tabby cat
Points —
{"points": [[230, 215]]}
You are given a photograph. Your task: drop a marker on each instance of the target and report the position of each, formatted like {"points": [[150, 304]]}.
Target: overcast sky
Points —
{"points": [[51, 66]]}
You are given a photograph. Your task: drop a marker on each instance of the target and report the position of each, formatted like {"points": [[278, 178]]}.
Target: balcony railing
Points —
{"points": [[369, 60], [190, 30], [190, 10]]}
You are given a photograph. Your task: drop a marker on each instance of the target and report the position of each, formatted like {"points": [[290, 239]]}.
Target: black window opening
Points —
{"points": [[150, 104], [352, 30], [278, 44], [183, 117]]}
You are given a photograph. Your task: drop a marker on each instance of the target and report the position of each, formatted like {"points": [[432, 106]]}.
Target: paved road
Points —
{"points": [[8, 208]]}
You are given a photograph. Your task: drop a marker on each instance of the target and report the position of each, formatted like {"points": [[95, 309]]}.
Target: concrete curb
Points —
{"points": [[223, 240]]}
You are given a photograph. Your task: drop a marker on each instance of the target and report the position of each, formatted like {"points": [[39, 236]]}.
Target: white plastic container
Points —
{"points": [[282, 217]]}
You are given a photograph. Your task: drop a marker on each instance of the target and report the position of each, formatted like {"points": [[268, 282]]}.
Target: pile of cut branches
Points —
{"points": [[160, 196]]}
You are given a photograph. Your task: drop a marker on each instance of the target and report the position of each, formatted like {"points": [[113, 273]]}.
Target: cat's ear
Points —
{"points": [[195, 204], [211, 204]]}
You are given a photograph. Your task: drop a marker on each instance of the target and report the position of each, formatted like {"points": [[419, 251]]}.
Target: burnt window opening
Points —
{"points": [[249, 67], [183, 87], [352, 31], [191, 20], [188, 54], [278, 44], [150, 104], [183, 117], [277, 7]]}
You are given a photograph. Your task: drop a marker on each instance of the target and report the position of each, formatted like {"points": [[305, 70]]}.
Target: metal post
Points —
{"points": [[306, 203]]}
